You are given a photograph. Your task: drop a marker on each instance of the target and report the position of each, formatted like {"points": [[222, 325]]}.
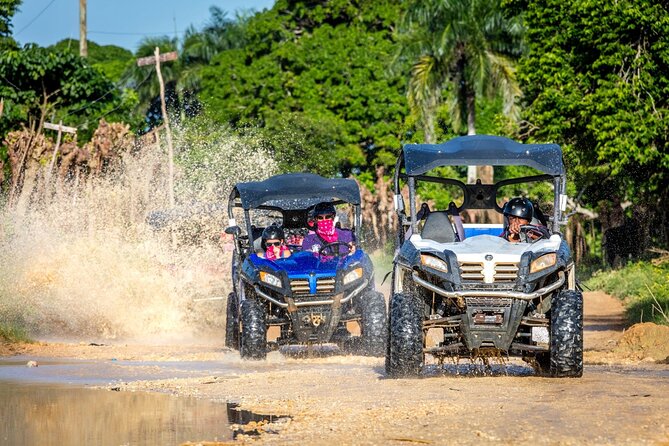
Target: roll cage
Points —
{"points": [[292, 195], [416, 160]]}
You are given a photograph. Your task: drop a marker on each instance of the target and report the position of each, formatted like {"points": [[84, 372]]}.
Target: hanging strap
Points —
{"points": [[459, 228]]}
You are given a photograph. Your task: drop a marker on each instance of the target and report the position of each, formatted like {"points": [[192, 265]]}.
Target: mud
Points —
{"points": [[647, 342], [51, 414], [349, 400]]}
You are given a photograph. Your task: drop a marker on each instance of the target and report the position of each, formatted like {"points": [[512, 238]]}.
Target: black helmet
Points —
{"points": [[272, 232], [324, 208], [519, 207]]}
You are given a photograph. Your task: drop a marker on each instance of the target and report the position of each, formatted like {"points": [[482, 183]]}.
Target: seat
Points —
{"points": [[438, 227], [256, 238]]}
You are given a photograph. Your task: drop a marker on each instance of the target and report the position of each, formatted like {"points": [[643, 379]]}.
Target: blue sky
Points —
{"points": [[117, 22]]}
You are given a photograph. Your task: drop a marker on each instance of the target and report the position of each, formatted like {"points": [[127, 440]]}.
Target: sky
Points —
{"points": [[117, 22]]}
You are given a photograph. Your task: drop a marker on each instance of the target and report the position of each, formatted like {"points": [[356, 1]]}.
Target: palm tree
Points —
{"points": [[199, 47], [463, 50], [182, 77], [143, 79]]}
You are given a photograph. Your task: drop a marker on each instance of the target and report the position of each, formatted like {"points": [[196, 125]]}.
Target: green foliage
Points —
{"points": [[442, 194], [595, 80], [319, 71], [540, 192], [643, 286], [7, 10], [144, 81], [460, 50], [111, 60], [10, 332], [42, 83]]}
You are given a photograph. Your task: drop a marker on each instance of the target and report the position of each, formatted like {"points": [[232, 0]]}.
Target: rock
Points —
{"points": [[31, 364]]}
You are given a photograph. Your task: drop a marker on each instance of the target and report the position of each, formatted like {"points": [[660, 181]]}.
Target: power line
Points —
{"points": [[118, 33], [115, 108], [117, 85], [35, 18], [10, 83]]}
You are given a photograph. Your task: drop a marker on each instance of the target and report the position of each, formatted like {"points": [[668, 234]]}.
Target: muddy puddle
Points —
{"points": [[56, 402], [56, 414]]}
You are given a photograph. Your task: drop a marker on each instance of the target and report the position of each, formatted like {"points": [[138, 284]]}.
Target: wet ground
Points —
{"points": [[53, 414], [336, 399]]}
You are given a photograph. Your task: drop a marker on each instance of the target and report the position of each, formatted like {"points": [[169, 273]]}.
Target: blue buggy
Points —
{"points": [[311, 297]]}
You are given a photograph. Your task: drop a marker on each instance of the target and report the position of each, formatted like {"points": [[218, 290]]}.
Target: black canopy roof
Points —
{"points": [[295, 191], [482, 150]]}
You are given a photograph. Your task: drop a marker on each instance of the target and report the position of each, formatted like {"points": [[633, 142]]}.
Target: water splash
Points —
{"points": [[81, 260]]}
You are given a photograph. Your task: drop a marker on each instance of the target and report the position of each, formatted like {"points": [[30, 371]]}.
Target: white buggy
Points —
{"points": [[461, 290]]}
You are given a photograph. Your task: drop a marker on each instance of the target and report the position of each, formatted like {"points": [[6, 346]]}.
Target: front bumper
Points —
{"points": [[345, 298], [492, 293]]}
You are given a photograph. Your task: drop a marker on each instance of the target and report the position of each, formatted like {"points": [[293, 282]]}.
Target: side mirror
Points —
{"points": [[233, 230]]}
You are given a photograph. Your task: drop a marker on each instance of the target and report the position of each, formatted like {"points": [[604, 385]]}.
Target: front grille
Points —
{"points": [[472, 271], [324, 285], [299, 286], [490, 273], [505, 272]]}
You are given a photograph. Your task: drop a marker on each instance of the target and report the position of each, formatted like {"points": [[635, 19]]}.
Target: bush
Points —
{"points": [[13, 332], [643, 287]]}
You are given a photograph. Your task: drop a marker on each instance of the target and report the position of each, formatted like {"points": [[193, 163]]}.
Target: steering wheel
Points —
{"points": [[532, 233], [335, 252]]}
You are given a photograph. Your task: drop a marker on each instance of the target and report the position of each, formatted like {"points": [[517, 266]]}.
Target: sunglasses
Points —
{"points": [[273, 243], [325, 217]]}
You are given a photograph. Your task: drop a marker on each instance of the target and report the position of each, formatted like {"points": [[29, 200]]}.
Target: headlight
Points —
{"points": [[434, 263], [543, 262], [352, 276], [270, 279]]}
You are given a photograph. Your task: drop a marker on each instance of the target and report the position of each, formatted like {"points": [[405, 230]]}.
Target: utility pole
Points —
{"points": [[157, 58], [83, 44]]}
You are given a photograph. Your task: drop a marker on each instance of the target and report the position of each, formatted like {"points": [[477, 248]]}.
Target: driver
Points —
{"points": [[325, 232], [273, 244], [519, 212]]}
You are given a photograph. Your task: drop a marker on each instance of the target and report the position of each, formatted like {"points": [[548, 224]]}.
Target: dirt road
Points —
{"points": [[348, 400]]}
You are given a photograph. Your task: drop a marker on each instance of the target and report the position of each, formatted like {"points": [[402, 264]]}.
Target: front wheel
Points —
{"points": [[566, 336], [374, 324], [405, 357], [253, 343]]}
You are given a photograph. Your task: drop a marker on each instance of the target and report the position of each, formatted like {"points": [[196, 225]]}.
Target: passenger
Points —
{"points": [[273, 244], [519, 212], [294, 240], [325, 232]]}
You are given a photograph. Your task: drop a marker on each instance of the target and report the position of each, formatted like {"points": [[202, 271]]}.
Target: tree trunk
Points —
{"points": [[428, 111], [472, 171], [484, 173]]}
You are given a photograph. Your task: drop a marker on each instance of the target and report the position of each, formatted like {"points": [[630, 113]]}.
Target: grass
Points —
{"points": [[13, 333], [643, 287]]}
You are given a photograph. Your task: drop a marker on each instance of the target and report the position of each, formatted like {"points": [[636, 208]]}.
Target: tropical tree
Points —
{"points": [[595, 81], [313, 78], [144, 82], [199, 47], [182, 77], [7, 10], [40, 84], [112, 60], [460, 50]]}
